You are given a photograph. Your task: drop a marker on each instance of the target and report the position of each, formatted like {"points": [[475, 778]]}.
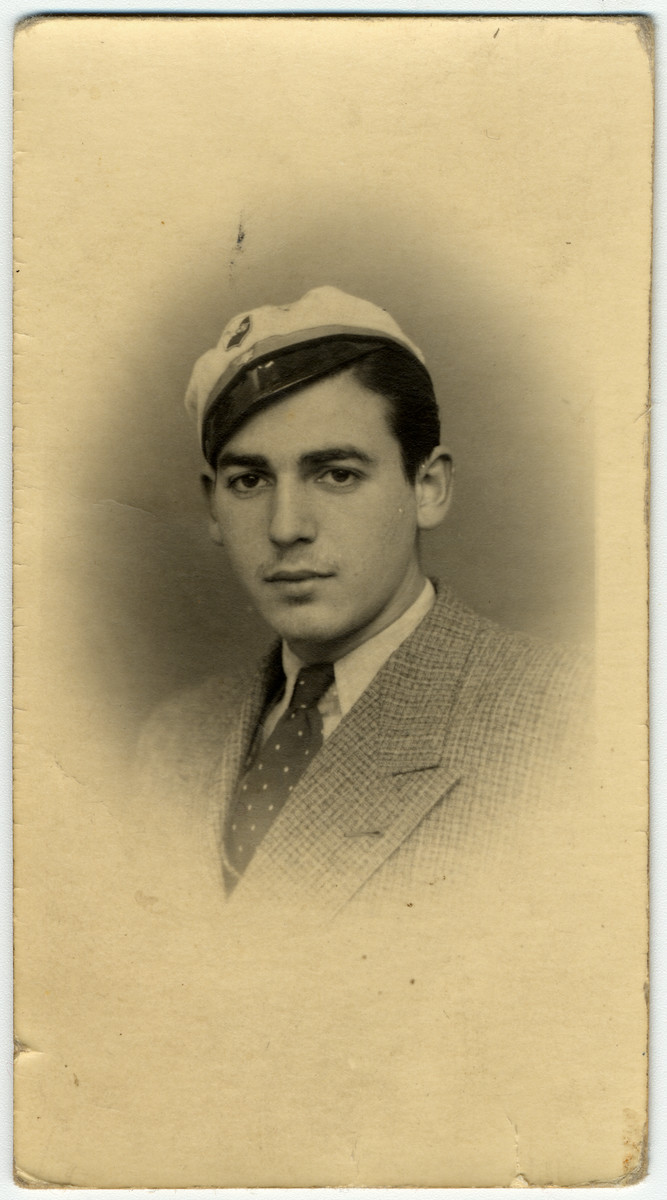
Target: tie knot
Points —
{"points": [[311, 684]]}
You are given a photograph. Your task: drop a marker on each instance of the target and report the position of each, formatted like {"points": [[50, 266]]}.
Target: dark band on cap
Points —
{"points": [[273, 375]]}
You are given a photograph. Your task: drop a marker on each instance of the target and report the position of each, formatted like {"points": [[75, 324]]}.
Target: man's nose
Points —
{"points": [[292, 517]]}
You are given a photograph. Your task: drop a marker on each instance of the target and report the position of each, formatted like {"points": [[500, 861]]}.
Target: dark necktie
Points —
{"points": [[276, 769]]}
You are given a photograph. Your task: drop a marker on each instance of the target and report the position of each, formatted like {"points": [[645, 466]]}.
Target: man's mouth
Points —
{"points": [[295, 576]]}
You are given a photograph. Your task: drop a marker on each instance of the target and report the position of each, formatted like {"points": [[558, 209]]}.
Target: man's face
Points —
{"points": [[319, 521]]}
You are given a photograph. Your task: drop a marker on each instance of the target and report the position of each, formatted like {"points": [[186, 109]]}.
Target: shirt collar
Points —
{"points": [[355, 670]]}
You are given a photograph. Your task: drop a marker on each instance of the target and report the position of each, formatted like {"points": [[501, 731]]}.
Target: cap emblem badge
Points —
{"points": [[238, 336]]}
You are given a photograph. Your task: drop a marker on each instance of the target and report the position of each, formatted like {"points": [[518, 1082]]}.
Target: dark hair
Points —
{"points": [[385, 368], [406, 385]]}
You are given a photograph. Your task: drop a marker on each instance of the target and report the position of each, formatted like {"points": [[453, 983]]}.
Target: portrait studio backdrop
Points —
{"points": [[488, 181]]}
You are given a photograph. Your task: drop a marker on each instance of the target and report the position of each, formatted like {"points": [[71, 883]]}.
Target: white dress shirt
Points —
{"points": [[355, 670]]}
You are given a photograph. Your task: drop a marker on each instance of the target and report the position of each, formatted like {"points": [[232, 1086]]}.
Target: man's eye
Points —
{"points": [[249, 482], [339, 476]]}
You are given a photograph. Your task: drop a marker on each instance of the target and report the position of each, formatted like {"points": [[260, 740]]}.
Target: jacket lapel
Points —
{"points": [[377, 776]]}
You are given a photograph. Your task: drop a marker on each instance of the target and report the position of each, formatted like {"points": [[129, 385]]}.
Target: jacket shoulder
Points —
{"points": [[187, 726], [524, 655], [529, 687]]}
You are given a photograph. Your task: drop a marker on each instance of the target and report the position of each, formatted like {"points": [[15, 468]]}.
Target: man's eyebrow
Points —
{"points": [[318, 458], [255, 462], [312, 459]]}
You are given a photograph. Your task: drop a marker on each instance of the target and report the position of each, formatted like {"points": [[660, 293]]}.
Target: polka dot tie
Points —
{"points": [[277, 768]]}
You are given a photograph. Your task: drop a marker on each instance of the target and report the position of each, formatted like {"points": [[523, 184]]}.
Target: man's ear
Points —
{"points": [[433, 488], [208, 488]]}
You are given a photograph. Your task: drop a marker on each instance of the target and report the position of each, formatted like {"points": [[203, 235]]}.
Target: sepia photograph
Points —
{"points": [[331, 421]]}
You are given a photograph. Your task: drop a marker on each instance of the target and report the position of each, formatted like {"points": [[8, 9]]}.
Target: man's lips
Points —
{"points": [[296, 576]]}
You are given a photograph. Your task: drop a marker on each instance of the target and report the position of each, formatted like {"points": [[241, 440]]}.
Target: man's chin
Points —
{"points": [[302, 623]]}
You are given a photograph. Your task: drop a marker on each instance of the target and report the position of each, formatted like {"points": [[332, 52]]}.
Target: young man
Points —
{"points": [[393, 739]]}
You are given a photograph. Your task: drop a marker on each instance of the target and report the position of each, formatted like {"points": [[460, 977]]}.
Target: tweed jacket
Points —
{"points": [[467, 733]]}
